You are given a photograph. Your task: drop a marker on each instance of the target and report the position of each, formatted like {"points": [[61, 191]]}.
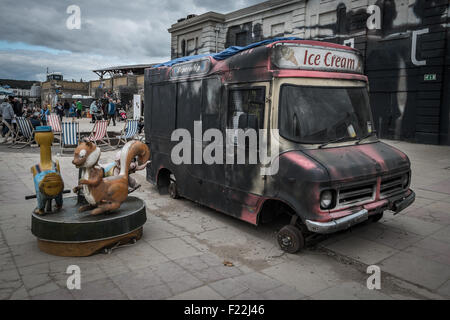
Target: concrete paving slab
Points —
{"points": [[176, 278], [140, 255], [283, 292], [350, 291], [442, 235], [441, 187], [414, 225], [10, 282], [416, 269], [258, 282], [103, 289], [445, 289], [228, 288], [202, 293], [174, 248], [302, 278], [142, 284], [366, 251], [60, 294], [386, 235]]}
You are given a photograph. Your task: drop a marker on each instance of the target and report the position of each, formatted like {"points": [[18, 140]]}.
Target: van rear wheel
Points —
{"points": [[290, 239]]}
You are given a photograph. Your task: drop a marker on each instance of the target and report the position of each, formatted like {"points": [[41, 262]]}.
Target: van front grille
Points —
{"points": [[355, 194], [391, 185]]}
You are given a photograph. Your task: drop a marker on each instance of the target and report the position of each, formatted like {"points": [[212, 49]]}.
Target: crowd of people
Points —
{"points": [[12, 107], [107, 109]]}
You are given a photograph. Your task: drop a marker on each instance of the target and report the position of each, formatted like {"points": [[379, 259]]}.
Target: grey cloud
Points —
{"points": [[132, 30]]}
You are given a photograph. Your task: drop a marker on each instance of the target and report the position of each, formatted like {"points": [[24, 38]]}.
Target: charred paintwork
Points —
{"points": [[240, 190]]}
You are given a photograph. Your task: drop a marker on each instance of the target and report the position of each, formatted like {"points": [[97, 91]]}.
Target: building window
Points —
{"points": [[190, 47], [241, 39], [183, 48]]}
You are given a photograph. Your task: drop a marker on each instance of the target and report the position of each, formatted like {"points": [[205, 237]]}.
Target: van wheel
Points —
{"points": [[173, 191], [376, 217], [290, 239]]}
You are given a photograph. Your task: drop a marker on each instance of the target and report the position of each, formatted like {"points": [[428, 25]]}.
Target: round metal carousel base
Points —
{"points": [[71, 233]]}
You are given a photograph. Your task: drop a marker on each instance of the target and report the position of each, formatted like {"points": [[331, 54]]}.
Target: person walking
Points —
{"points": [[66, 108], [7, 115], [104, 106], [79, 109], [93, 110], [59, 111], [17, 106], [44, 113], [112, 112], [72, 111]]}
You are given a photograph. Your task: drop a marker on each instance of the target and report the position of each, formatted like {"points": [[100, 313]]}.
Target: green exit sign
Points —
{"points": [[429, 77]]}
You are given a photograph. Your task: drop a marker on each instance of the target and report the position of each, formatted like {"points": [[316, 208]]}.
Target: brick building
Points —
{"points": [[405, 44], [55, 88]]}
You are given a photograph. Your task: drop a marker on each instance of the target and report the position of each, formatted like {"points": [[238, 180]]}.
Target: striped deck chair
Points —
{"points": [[99, 133], [54, 122], [70, 135], [27, 130], [129, 131]]}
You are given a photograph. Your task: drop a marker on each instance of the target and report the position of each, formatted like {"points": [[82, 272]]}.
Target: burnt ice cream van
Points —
{"points": [[312, 99]]}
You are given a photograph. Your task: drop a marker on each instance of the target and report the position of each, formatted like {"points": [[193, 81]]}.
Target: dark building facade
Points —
{"points": [[405, 43]]}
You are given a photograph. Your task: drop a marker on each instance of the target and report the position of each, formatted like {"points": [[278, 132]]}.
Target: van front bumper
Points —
{"points": [[338, 224], [396, 204]]}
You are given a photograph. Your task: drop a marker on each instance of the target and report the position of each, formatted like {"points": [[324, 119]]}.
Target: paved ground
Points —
{"points": [[182, 252]]}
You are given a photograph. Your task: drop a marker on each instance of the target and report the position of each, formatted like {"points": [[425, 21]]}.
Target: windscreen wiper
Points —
{"points": [[341, 139], [365, 137]]}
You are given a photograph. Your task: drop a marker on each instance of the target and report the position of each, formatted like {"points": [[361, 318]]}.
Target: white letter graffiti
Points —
{"points": [[215, 146], [374, 281], [74, 280], [416, 33], [374, 20], [73, 21], [183, 147]]}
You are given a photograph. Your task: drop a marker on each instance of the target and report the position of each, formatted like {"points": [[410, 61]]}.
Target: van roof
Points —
{"points": [[233, 50]]}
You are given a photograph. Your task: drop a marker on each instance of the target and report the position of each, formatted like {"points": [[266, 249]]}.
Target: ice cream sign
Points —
{"points": [[316, 58]]}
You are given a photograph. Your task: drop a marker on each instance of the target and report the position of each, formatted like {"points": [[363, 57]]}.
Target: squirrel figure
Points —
{"points": [[105, 194]]}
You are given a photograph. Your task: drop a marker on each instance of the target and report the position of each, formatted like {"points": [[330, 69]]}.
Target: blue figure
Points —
{"points": [[47, 178]]}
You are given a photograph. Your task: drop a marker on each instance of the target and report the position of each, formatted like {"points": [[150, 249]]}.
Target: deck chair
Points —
{"points": [[27, 130], [54, 122], [99, 133], [129, 131], [11, 133], [70, 135]]}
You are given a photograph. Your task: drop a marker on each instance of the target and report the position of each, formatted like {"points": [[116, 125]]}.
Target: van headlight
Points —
{"points": [[326, 199]]}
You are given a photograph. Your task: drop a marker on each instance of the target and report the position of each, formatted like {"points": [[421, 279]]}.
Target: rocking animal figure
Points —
{"points": [[105, 194], [47, 178]]}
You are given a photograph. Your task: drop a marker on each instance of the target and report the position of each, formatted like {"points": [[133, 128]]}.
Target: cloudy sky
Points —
{"points": [[34, 35]]}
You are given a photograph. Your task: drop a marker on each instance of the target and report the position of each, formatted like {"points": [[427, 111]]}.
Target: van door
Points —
{"points": [[211, 176], [247, 109]]}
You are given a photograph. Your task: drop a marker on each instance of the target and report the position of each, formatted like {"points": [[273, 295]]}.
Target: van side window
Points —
{"points": [[189, 103], [246, 110], [246, 106], [163, 109], [212, 95]]}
